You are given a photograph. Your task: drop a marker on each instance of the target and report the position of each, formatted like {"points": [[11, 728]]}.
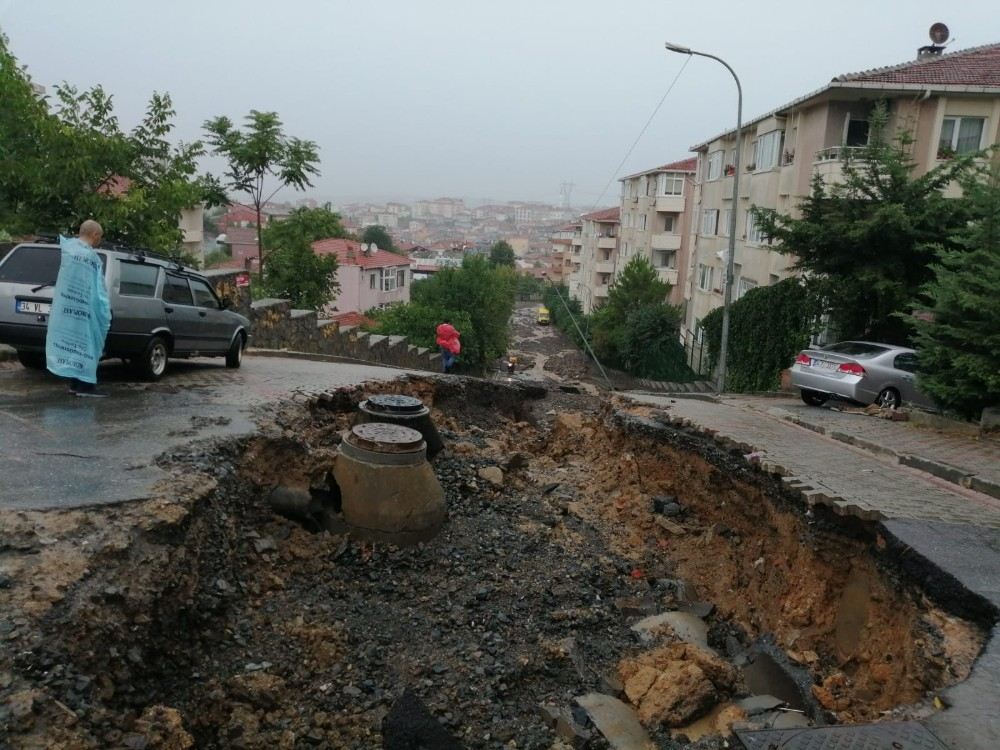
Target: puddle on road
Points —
{"points": [[236, 627]]}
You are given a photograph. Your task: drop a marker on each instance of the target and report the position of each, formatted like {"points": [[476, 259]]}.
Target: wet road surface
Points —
{"points": [[60, 451]]}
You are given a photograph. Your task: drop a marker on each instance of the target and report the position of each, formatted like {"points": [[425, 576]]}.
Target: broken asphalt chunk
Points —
{"points": [[616, 721]]}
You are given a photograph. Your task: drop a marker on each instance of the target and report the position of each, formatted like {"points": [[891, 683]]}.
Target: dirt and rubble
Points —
{"points": [[203, 619]]}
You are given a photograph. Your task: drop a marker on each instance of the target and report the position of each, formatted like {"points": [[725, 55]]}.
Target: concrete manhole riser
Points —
{"points": [[389, 491]]}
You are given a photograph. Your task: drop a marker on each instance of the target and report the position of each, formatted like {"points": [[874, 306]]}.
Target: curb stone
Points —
{"points": [[954, 474]]}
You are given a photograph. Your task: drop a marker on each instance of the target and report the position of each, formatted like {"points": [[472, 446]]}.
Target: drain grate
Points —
{"points": [[906, 735]]}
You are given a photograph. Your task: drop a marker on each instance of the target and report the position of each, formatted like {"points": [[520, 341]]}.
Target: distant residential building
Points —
{"points": [[655, 219], [367, 279], [598, 256], [949, 103], [564, 255]]}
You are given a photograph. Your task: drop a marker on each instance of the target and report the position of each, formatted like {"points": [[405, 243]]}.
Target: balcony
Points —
{"points": [[607, 243], [666, 241], [670, 203], [667, 275], [604, 266], [829, 162]]}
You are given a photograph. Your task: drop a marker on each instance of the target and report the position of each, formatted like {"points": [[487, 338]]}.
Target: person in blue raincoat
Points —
{"points": [[81, 312]]}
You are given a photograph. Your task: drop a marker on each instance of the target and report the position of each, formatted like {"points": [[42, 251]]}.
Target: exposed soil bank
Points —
{"points": [[204, 620]]}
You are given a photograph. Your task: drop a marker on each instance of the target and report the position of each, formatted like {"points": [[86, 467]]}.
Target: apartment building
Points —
{"points": [[368, 278], [598, 244], [655, 219], [949, 103], [564, 255]]}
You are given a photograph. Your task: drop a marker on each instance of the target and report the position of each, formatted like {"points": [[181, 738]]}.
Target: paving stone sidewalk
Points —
{"points": [[829, 472], [962, 459]]}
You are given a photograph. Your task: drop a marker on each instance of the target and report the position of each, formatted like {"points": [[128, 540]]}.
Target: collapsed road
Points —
{"points": [[602, 578]]}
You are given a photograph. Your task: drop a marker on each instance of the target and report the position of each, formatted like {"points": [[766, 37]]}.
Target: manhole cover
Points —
{"points": [[907, 735], [383, 437], [396, 404]]}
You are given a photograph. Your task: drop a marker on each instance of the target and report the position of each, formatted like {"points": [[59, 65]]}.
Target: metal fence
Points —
{"points": [[696, 353]]}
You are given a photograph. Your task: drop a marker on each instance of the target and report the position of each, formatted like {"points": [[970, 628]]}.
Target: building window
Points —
{"points": [[767, 150], [388, 279], [856, 132], [960, 135], [642, 222], [642, 185], [755, 235], [727, 217], [709, 221], [651, 188], [715, 165], [669, 222], [372, 281], [705, 277], [670, 184], [664, 259], [744, 286], [401, 279]]}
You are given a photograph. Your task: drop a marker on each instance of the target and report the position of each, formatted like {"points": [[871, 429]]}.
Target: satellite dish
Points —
{"points": [[373, 248], [939, 33], [364, 248]]}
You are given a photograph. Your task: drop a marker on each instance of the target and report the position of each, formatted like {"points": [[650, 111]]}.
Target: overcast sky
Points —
{"points": [[505, 99]]}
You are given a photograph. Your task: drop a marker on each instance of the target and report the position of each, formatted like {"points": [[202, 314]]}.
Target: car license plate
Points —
{"points": [[33, 308], [824, 364]]}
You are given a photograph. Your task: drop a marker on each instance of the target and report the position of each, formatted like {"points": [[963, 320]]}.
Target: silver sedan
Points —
{"points": [[859, 371]]}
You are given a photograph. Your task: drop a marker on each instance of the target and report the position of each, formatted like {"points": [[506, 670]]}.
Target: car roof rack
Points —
{"points": [[140, 253]]}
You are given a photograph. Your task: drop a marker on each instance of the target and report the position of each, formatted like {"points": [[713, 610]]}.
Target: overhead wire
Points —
{"points": [[614, 174]]}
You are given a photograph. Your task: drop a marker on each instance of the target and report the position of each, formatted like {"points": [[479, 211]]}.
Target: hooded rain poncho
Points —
{"points": [[81, 314]]}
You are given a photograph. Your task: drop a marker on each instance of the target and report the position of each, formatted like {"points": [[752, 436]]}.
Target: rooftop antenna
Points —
{"points": [[939, 37]]}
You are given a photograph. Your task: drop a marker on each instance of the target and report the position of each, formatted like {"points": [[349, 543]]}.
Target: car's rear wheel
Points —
{"points": [[889, 398], [31, 360], [234, 357], [152, 363], [813, 398]]}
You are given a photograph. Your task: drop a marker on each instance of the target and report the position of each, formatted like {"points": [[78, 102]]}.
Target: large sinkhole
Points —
{"points": [[579, 556]]}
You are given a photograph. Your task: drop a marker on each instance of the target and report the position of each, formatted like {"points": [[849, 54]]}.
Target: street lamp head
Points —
{"points": [[677, 48]]}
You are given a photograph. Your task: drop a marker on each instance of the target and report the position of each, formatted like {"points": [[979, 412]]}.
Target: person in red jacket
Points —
{"points": [[447, 339]]}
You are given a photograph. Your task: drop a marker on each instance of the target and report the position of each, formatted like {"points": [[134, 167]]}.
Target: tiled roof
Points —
{"points": [[351, 319], [684, 165], [241, 236], [349, 253], [605, 215], [969, 68], [978, 66]]}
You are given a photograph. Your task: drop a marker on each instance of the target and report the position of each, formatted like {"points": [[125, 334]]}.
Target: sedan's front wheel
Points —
{"points": [[889, 398], [813, 398], [234, 357], [152, 363]]}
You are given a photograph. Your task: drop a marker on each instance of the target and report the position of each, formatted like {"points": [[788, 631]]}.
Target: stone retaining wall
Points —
{"points": [[276, 325]]}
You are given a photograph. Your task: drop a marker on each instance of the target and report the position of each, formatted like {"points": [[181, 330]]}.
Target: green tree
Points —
{"points": [[294, 271], [637, 286], [958, 336], [502, 254], [74, 162], [380, 236], [651, 344], [767, 327], [261, 156], [309, 223], [867, 242], [477, 298]]}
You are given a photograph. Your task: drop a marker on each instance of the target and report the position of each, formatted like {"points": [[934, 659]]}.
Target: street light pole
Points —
{"points": [[730, 261]]}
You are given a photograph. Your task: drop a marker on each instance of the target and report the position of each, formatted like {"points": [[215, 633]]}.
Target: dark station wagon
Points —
{"points": [[159, 309]]}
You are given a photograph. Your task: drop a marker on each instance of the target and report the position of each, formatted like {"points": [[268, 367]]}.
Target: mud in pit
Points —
{"points": [[208, 621]]}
